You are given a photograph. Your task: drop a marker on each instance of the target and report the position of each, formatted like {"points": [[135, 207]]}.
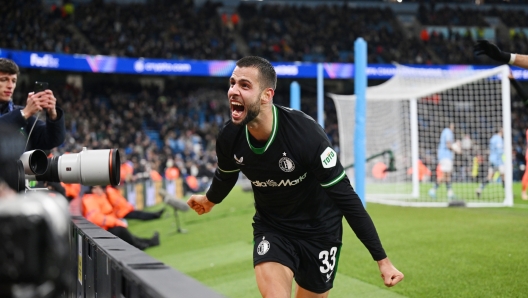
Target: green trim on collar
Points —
{"points": [[261, 150]]}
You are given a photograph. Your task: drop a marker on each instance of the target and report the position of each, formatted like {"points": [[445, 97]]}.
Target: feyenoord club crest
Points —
{"points": [[286, 164], [263, 246]]}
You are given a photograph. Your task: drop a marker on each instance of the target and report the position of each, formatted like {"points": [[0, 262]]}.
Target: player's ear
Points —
{"points": [[267, 95]]}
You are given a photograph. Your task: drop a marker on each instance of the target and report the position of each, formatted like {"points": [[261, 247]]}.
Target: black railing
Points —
{"points": [[106, 266]]}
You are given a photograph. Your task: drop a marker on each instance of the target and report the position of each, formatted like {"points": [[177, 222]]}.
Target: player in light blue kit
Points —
{"points": [[496, 164], [445, 155]]}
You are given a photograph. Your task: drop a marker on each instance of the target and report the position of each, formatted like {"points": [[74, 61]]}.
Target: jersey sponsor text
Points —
{"points": [[272, 183]]}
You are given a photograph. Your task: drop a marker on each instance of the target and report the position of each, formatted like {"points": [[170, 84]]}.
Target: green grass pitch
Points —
{"points": [[443, 252]]}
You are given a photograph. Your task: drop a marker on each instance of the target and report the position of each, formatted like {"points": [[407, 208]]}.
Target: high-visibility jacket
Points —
{"points": [[98, 210], [119, 203], [126, 170], [72, 190], [172, 173], [155, 176]]}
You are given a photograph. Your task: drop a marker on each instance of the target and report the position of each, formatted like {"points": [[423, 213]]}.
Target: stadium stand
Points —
{"points": [[278, 32], [156, 128], [181, 30], [150, 136]]}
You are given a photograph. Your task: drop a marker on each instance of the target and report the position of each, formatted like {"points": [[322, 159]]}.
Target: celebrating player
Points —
{"points": [[496, 151], [484, 47], [300, 188]]}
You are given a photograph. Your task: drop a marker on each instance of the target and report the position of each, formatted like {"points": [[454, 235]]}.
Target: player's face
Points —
{"points": [[244, 95], [7, 86]]}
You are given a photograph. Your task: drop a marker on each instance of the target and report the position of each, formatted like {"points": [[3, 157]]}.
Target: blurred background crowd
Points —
{"points": [[174, 125]]}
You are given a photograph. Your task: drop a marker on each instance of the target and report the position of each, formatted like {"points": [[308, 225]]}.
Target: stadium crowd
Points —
{"points": [[181, 30], [178, 124]]}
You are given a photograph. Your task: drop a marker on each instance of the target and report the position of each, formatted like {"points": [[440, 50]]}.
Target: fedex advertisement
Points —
{"points": [[146, 66]]}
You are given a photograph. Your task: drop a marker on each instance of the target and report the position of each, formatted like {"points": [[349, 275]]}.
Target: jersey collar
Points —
{"points": [[271, 138]]}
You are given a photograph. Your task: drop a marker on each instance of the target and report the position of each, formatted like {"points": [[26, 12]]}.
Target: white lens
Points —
{"points": [[89, 167], [95, 165], [69, 168], [35, 162]]}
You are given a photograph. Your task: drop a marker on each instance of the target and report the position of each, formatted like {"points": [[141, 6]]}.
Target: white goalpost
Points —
{"points": [[405, 119]]}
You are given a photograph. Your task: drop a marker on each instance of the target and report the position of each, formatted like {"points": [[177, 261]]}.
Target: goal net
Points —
{"points": [[406, 117]]}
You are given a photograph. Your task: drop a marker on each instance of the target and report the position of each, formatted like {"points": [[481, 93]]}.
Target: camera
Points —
{"points": [[34, 255], [35, 251], [88, 167]]}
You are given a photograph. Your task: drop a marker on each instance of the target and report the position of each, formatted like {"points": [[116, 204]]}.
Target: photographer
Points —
{"points": [[42, 134]]}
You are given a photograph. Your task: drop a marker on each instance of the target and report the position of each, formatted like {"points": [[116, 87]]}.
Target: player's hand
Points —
{"points": [[200, 204], [484, 47], [391, 276]]}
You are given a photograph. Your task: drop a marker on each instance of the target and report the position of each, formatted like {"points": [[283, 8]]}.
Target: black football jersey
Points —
{"points": [[299, 185]]}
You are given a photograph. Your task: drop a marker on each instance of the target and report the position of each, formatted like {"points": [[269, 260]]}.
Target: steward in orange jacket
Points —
{"points": [[121, 206], [123, 209], [98, 210], [72, 190]]}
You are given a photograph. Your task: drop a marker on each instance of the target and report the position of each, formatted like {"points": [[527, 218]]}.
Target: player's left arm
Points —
{"points": [[390, 275], [329, 172]]}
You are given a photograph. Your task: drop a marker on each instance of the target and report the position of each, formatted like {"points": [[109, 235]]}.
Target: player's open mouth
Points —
{"points": [[237, 110]]}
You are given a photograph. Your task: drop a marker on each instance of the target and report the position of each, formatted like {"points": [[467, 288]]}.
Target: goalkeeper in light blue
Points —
{"points": [[496, 162], [445, 155]]}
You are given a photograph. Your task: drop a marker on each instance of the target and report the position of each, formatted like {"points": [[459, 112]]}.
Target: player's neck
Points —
{"points": [[260, 128]]}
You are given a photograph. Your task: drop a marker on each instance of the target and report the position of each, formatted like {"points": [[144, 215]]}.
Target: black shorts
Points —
{"points": [[313, 262]]}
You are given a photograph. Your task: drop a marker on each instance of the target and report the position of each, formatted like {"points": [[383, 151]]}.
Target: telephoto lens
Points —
{"points": [[88, 167]]}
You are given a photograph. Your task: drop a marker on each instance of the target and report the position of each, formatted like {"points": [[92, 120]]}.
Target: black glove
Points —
{"points": [[491, 50]]}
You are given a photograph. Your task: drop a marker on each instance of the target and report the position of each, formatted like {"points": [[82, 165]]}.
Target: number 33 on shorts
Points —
{"points": [[328, 260]]}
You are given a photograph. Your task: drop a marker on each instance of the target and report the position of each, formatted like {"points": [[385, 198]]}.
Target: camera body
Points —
{"points": [[34, 254]]}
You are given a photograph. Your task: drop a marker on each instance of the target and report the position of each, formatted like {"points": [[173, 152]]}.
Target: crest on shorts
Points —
{"points": [[263, 246], [286, 164]]}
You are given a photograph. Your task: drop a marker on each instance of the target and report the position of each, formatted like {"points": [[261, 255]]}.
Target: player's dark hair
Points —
{"points": [[268, 76], [8, 66]]}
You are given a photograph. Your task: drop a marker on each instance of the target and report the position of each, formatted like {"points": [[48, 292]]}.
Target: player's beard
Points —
{"points": [[253, 110]]}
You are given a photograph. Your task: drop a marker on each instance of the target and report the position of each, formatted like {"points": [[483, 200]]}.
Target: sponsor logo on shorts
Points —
{"points": [[329, 276], [263, 246]]}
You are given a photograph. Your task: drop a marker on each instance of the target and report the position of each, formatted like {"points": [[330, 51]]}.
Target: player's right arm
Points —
{"points": [[200, 204], [224, 179]]}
